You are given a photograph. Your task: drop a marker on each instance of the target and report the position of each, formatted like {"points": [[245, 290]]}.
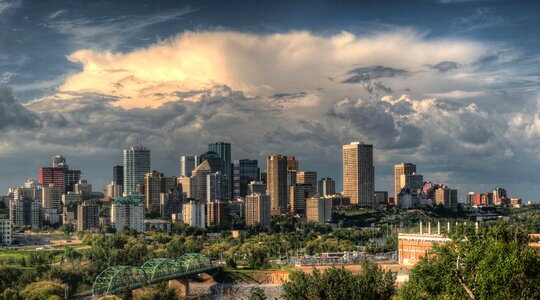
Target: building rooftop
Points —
{"points": [[126, 200]]}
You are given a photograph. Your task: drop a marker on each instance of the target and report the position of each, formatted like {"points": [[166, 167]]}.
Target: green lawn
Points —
{"points": [[18, 255]]}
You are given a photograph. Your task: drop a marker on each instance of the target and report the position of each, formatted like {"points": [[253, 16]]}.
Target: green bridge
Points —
{"points": [[118, 279]]}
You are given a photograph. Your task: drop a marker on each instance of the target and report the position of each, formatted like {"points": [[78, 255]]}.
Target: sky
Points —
{"points": [[450, 85]]}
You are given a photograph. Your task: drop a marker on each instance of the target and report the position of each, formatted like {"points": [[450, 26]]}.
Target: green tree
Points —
{"points": [[334, 283], [257, 294], [67, 228], [43, 290], [493, 263]]}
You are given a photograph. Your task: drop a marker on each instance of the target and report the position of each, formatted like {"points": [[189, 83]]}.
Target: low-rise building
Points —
{"points": [[157, 225]]}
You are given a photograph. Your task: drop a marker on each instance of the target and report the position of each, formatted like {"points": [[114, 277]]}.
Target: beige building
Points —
{"points": [[87, 216], [309, 178], [185, 183], [298, 195], [447, 197], [257, 209], [51, 197], [199, 181], [319, 209], [277, 187], [193, 213], [359, 174], [401, 169]]}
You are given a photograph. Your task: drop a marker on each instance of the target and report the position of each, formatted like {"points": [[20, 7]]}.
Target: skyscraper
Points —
{"points": [[187, 164], [359, 174], [327, 186], [244, 172], [51, 197], [309, 178], [25, 211], [199, 181], [136, 165], [319, 209], [118, 175], [48, 175], [193, 213], [87, 216], [59, 162], [224, 151], [215, 187], [277, 187], [447, 197], [401, 169], [298, 195]]}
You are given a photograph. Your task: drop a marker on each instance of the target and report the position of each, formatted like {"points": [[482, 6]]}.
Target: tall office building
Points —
{"points": [[319, 209], [185, 183], [224, 151], [381, 197], [256, 187], [187, 164], [52, 175], [59, 162], [412, 181], [136, 165], [51, 197], [156, 183], [500, 197], [25, 211], [127, 213], [118, 175], [257, 210], [199, 181], [193, 213], [87, 216], [359, 174], [401, 169], [71, 177], [277, 186], [298, 195], [215, 187], [309, 178], [327, 186], [292, 163], [244, 172]]}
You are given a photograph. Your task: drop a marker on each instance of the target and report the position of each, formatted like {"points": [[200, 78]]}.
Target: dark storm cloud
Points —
{"points": [[445, 66], [365, 74], [13, 114]]}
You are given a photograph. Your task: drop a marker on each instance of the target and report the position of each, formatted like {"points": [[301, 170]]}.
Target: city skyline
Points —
{"points": [[451, 87]]}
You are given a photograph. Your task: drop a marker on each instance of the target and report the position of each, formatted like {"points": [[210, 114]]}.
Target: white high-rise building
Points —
{"points": [[193, 213], [359, 174], [25, 211], [136, 165], [188, 163], [127, 213]]}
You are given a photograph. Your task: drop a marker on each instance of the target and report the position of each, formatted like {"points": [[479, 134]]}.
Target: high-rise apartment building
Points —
{"points": [[257, 210], [217, 213], [87, 216], [127, 212], [5, 232], [244, 172], [308, 178], [51, 196], [401, 169], [170, 203], [359, 174], [298, 195], [447, 197], [277, 186], [136, 165], [25, 211], [224, 151], [327, 186], [187, 164], [319, 209], [155, 184], [193, 213], [381, 197]]}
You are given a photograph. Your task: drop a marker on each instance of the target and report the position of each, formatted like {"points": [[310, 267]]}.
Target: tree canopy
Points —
{"points": [[494, 262]]}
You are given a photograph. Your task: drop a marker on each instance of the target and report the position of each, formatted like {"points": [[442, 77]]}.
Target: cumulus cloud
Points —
{"points": [[271, 93], [13, 114]]}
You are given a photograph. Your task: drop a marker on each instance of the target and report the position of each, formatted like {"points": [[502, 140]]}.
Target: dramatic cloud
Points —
{"points": [[13, 114]]}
